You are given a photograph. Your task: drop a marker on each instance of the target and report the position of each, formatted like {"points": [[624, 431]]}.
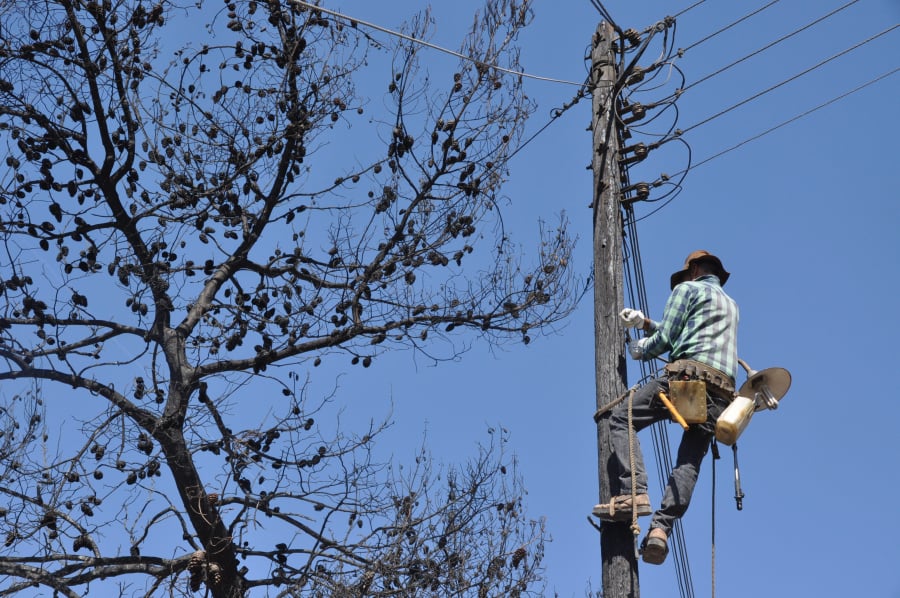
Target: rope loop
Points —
{"points": [[634, 517], [609, 406]]}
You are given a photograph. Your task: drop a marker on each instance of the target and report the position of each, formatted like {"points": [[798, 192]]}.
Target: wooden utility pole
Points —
{"points": [[620, 574]]}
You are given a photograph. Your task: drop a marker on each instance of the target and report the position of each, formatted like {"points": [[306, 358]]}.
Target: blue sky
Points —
{"points": [[805, 218]]}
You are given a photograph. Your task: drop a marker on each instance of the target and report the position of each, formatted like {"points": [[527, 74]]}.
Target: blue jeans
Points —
{"points": [[647, 408]]}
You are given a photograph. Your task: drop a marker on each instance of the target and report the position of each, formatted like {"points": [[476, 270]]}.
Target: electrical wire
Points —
{"points": [[683, 88], [715, 455], [554, 116], [626, 71], [660, 207], [427, 44], [678, 134], [606, 16], [767, 46], [636, 290], [556, 113], [791, 120], [635, 279], [788, 80], [691, 7], [729, 26], [634, 284]]}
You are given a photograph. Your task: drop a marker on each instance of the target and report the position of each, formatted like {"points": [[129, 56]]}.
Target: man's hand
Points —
{"points": [[633, 318], [636, 348]]}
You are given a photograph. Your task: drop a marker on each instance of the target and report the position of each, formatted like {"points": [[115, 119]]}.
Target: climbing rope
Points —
{"points": [[609, 406], [635, 528], [628, 394]]}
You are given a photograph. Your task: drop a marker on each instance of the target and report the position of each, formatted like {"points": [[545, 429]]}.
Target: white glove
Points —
{"points": [[636, 348], [633, 318]]}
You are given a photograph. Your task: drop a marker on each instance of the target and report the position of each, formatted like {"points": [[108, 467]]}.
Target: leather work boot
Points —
{"points": [[655, 547], [620, 507]]}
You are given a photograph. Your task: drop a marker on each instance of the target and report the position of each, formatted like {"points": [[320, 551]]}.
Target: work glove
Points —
{"points": [[636, 348], [633, 318]]}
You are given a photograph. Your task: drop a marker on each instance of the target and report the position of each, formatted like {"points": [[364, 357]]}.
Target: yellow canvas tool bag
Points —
{"points": [[689, 397], [687, 387]]}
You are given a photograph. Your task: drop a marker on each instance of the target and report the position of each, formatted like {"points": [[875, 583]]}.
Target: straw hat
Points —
{"points": [[700, 255]]}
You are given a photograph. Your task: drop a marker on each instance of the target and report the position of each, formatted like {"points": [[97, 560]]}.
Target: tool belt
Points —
{"points": [[688, 369]]}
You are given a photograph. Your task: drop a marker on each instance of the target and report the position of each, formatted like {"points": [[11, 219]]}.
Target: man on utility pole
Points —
{"points": [[620, 578], [699, 332]]}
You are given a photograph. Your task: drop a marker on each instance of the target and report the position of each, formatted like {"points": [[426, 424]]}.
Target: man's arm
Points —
{"points": [[664, 333]]}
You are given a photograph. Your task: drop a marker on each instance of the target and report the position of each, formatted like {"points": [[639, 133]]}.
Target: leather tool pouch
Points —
{"points": [[689, 397], [689, 382]]}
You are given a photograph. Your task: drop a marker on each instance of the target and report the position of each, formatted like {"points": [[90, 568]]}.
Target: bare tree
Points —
{"points": [[189, 226]]}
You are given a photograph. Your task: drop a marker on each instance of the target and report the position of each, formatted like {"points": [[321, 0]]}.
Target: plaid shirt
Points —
{"points": [[700, 323]]}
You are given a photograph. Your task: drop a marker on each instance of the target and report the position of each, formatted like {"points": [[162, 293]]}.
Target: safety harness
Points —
{"points": [[688, 369]]}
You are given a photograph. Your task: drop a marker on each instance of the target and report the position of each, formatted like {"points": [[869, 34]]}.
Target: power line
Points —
{"points": [[637, 293], [681, 90], [777, 85], [682, 173], [668, 197], [729, 26], [637, 290], [557, 112], [691, 7], [634, 282], [605, 14], [764, 48], [792, 119], [554, 116], [427, 44]]}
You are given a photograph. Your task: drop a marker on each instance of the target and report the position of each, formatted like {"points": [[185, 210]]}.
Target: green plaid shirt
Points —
{"points": [[699, 322]]}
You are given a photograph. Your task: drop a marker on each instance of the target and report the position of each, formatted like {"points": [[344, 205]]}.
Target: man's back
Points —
{"points": [[700, 322]]}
